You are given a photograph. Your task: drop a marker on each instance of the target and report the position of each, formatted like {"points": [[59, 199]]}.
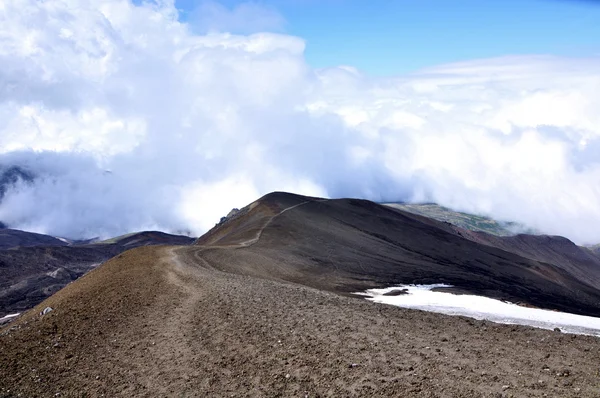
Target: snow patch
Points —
{"points": [[423, 298], [9, 316]]}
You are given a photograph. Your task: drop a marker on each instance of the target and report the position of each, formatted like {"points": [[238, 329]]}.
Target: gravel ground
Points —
{"points": [[159, 321]]}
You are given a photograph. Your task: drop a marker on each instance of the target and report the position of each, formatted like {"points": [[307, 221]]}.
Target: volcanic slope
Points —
{"points": [[253, 309], [581, 262], [349, 245], [35, 266], [15, 238], [460, 219]]}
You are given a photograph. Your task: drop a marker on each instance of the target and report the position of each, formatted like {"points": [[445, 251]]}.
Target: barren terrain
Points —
{"points": [[34, 266], [163, 324], [239, 315]]}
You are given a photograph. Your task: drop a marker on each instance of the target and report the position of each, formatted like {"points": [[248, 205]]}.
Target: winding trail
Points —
{"points": [[255, 239], [165, 321], [198, 250], [260, 231]]}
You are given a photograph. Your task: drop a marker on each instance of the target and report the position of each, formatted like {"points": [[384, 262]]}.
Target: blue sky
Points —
{"points": [[390, 37]]}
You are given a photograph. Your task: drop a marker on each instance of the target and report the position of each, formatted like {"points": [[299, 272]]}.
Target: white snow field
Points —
{"points": [[423, 298]]}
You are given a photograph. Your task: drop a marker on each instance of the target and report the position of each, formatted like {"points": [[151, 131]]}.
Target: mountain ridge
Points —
{"points": [[262, 305], [35, 266], [418, 253]]}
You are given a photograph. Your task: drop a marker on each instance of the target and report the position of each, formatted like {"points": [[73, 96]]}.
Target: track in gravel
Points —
{"points": [[256, 238], [239, 320], [156, 322]]}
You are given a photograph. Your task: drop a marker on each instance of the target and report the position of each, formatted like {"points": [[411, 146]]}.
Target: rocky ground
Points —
{"points": [[34, 266], [159, 321]]}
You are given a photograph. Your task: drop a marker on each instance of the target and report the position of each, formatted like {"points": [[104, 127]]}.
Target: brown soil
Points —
{"points": [[33, 270], [158, 321]]}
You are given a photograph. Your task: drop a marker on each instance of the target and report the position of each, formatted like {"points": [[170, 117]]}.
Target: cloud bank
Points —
{"points": [[132, 121]]}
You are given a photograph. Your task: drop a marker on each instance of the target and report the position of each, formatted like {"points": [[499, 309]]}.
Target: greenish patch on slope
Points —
{"points": [[463, 220]]}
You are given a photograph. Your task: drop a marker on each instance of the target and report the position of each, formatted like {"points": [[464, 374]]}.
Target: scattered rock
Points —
{"points": [[233, 212], [46, 310], [396, 292], [564, 373]]}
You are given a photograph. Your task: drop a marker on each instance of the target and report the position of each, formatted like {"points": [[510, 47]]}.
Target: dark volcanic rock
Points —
{"points": [[16, 238], [579, 262], [35, 266], [349, 245], [396, 292]]}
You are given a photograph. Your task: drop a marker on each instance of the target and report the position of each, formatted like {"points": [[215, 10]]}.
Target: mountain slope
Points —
{"points": [[238, 315], [466, 221], [35, 266], [15, 238], [582, 263], [579, 262], [349, 245]]}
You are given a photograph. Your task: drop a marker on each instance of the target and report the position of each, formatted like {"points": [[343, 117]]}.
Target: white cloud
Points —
{"points": [[190, 125], [218, 197]]}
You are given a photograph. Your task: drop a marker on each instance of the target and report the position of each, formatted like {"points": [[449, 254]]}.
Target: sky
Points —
{"points": [[163, 115], [390, 37]]}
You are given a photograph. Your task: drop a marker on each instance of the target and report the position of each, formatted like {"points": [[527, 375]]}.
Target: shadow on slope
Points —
{"points": [[348, 245], [15, 238]]}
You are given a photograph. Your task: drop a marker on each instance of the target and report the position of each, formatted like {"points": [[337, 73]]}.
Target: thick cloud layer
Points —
{"points": [[133, 121]]}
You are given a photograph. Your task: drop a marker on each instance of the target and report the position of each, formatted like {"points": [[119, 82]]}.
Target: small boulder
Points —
{"points": [[46, 310]]}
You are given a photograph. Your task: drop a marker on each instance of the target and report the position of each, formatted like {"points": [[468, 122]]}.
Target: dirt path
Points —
{"points": [[259, 233], [319, 344], [256, 238], [167, 322], [274, 339]]}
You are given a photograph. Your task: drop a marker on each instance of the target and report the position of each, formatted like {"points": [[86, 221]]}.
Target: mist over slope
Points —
{"points": [[471, 222], [131, 121]]}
